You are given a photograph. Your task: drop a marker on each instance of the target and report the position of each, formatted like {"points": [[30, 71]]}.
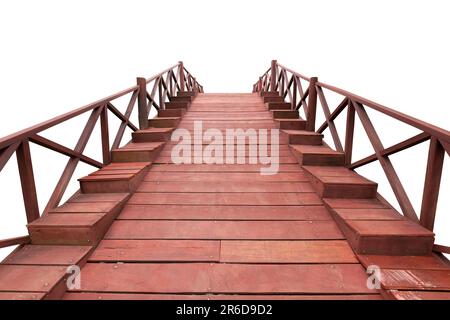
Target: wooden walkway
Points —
{"points": [[224, 231], [212, 229]]}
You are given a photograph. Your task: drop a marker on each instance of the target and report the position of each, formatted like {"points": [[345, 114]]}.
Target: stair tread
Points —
{"points": [[315, 149], [48, 255], [394, 228], [301, 132], [67, 220], [140, 146], [430, 262]]}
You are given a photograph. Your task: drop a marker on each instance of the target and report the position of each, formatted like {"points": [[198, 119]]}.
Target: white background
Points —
{"points": [[56, 55]]}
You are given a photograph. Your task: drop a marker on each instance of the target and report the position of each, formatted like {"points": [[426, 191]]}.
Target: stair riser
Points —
{"points": [[171, 113], [269, 93], [273, 99], [320, 160], [306, 140], [163, 123], [292, 125], [277, 114], [176, 105], [151, 136], [187, 93], [181, 99], [278, 106], [135, 156]]}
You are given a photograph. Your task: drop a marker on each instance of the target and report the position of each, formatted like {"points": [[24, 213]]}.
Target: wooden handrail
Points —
{"points": [[356, 105], [166, 85]]}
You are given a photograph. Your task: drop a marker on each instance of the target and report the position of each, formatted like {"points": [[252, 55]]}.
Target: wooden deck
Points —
{"points": [[224, 231]]}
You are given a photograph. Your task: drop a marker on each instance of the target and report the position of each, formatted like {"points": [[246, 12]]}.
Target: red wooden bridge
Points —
{"points": [[144, 227]]}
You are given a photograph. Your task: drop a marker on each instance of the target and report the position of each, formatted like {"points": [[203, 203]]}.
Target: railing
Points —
{"points": [[288, 84], [165, 84]]}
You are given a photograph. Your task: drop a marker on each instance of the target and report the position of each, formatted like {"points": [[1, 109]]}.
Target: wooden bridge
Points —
{"points": [[144, 227]]}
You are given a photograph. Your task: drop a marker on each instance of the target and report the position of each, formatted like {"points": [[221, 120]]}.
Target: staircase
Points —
{"points": [[144, 227]]}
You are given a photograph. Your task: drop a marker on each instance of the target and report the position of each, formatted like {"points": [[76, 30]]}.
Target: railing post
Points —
{"points": [[105, 135], [273, 75], [432, 183], [142, 103], [181, 73], [27, 181], [349, 130], [312, 104], [260, 84]]}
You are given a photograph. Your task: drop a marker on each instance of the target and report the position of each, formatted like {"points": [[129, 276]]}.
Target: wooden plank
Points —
{"points": [[48, 255], [21, 295], [156, 250], [404, 262], [221, 168], [225, 176], [332, 251], [369, 214], [354, 203], [226, 198], [85, 207], [222, 186], [224, 278], [100, 197], [212, 230], [30, 278], [205, 212], [436, 280], [144, 296], [417, 295]]}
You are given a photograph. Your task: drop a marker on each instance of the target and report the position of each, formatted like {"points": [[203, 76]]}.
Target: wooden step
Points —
{"points": [[303, 137], [69, 229], [317, 155], [226, 229], [110, 179], [270, 93], [83, 220], [23, 282], [176, 105], [171, 113], [225, 278], [291, 124], [211, 212], [285, 114], [187, 93], [278, 106], [152, 135], [382, 231], [181, 99], [273, 99], [340, 182], [137, 152], [164, 122]]}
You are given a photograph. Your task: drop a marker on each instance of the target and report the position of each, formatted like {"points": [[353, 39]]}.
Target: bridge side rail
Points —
{"points": [[291, 86], [147, 94]]}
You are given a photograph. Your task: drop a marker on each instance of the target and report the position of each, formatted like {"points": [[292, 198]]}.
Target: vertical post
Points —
{"points": [[260, 84], [170, 84], [181, 73], [105, 135], [349, 130], [273, 75], [160, 94], [312, 104], [432, 183], [27, 181], [294, 93], [142, 103]]}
